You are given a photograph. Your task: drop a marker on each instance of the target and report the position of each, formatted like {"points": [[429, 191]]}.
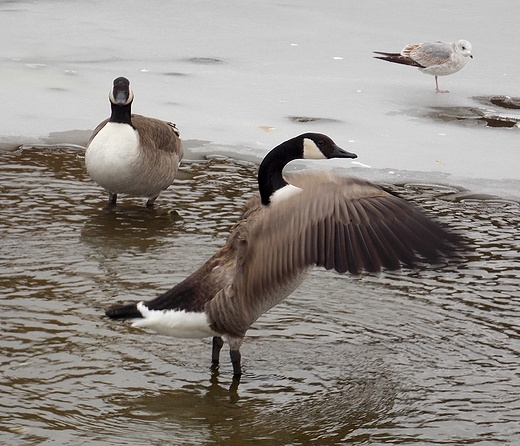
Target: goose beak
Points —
{"points": [[120, 96], [338, 152]]}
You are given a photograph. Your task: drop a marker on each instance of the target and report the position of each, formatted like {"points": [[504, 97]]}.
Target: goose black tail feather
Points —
{"points": [[183, 296], [127, 311]]}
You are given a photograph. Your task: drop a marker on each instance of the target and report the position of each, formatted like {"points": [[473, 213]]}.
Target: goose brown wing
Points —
{"points": [[339, 223], [162, 135], [96, 131]]}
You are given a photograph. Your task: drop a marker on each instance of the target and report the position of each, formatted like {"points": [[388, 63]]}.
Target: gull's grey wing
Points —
{"points": [[429, 53]]}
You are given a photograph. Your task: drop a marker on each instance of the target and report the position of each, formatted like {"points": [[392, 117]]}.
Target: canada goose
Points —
{"points": [[132, 154], [320, 219], [435, 58]]}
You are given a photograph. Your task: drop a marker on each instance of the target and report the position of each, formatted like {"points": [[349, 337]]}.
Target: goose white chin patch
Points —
{"points": [[311, 150], [179, 324]]}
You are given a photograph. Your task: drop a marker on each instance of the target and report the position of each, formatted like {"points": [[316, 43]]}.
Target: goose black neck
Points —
{"points": [[121, 113], [270, 177]]}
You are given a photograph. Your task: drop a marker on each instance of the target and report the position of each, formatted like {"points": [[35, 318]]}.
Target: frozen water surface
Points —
{"points": [[231, 74]]}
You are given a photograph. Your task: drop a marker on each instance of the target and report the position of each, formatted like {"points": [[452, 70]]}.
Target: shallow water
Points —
{"points": [[418, 357], [428, 356]]}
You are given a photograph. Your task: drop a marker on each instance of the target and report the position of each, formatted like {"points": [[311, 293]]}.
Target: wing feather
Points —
{"points": [[429, 53], [340, 254], [338, 223], [159, 134]]}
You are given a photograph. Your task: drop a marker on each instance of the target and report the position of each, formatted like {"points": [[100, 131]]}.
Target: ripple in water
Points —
{"points": [[424, 356]]}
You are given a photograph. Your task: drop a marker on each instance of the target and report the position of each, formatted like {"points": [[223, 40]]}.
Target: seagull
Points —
{"points": [[435, 58], [293, 224]]}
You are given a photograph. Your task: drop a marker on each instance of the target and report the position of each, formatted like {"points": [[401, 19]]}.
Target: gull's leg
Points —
{"points": [[437, 89]]}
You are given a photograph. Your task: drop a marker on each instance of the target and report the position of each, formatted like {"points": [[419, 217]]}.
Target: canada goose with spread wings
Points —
{"points": [[320, 219]]}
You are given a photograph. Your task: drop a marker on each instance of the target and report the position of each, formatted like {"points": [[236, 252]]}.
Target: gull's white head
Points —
{"points": [[464, 48]]}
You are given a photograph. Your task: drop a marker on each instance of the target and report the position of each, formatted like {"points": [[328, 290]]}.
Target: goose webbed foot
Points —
{"points": [[218, 342]]}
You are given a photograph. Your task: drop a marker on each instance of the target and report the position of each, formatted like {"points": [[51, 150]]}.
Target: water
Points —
{"points": [[418, 357]]}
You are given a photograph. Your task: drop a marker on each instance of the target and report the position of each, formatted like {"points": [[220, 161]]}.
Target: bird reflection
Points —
{"points": [[216, 388], [121, 227]]}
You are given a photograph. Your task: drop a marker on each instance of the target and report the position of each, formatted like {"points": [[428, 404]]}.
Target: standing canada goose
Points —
{"points": [[320, 219], [132, 154], [435, 58]]}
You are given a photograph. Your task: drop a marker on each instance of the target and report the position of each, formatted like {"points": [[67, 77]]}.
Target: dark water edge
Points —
{"points": [[428, 356]]}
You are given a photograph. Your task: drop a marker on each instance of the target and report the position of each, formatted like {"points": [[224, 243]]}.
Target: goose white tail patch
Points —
{"points": [[179, 324], [311, 150]]}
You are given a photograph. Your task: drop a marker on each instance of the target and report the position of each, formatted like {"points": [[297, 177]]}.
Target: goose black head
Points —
{"points": [[319, 146], [305, 146], [121, 93]]}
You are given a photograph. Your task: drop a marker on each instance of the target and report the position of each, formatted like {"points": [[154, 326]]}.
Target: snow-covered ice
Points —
{"points": [[240, 77]]}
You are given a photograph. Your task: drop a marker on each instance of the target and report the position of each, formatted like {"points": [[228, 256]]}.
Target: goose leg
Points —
{"points": [[215, 353], [151, 201], [235, 360], [233, 389], [112, 198], [234, 352]]}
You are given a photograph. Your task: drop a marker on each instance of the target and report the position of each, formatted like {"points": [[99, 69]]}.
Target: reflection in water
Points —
{"points": [[123, 226], [424, 356], [326, 412]]}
